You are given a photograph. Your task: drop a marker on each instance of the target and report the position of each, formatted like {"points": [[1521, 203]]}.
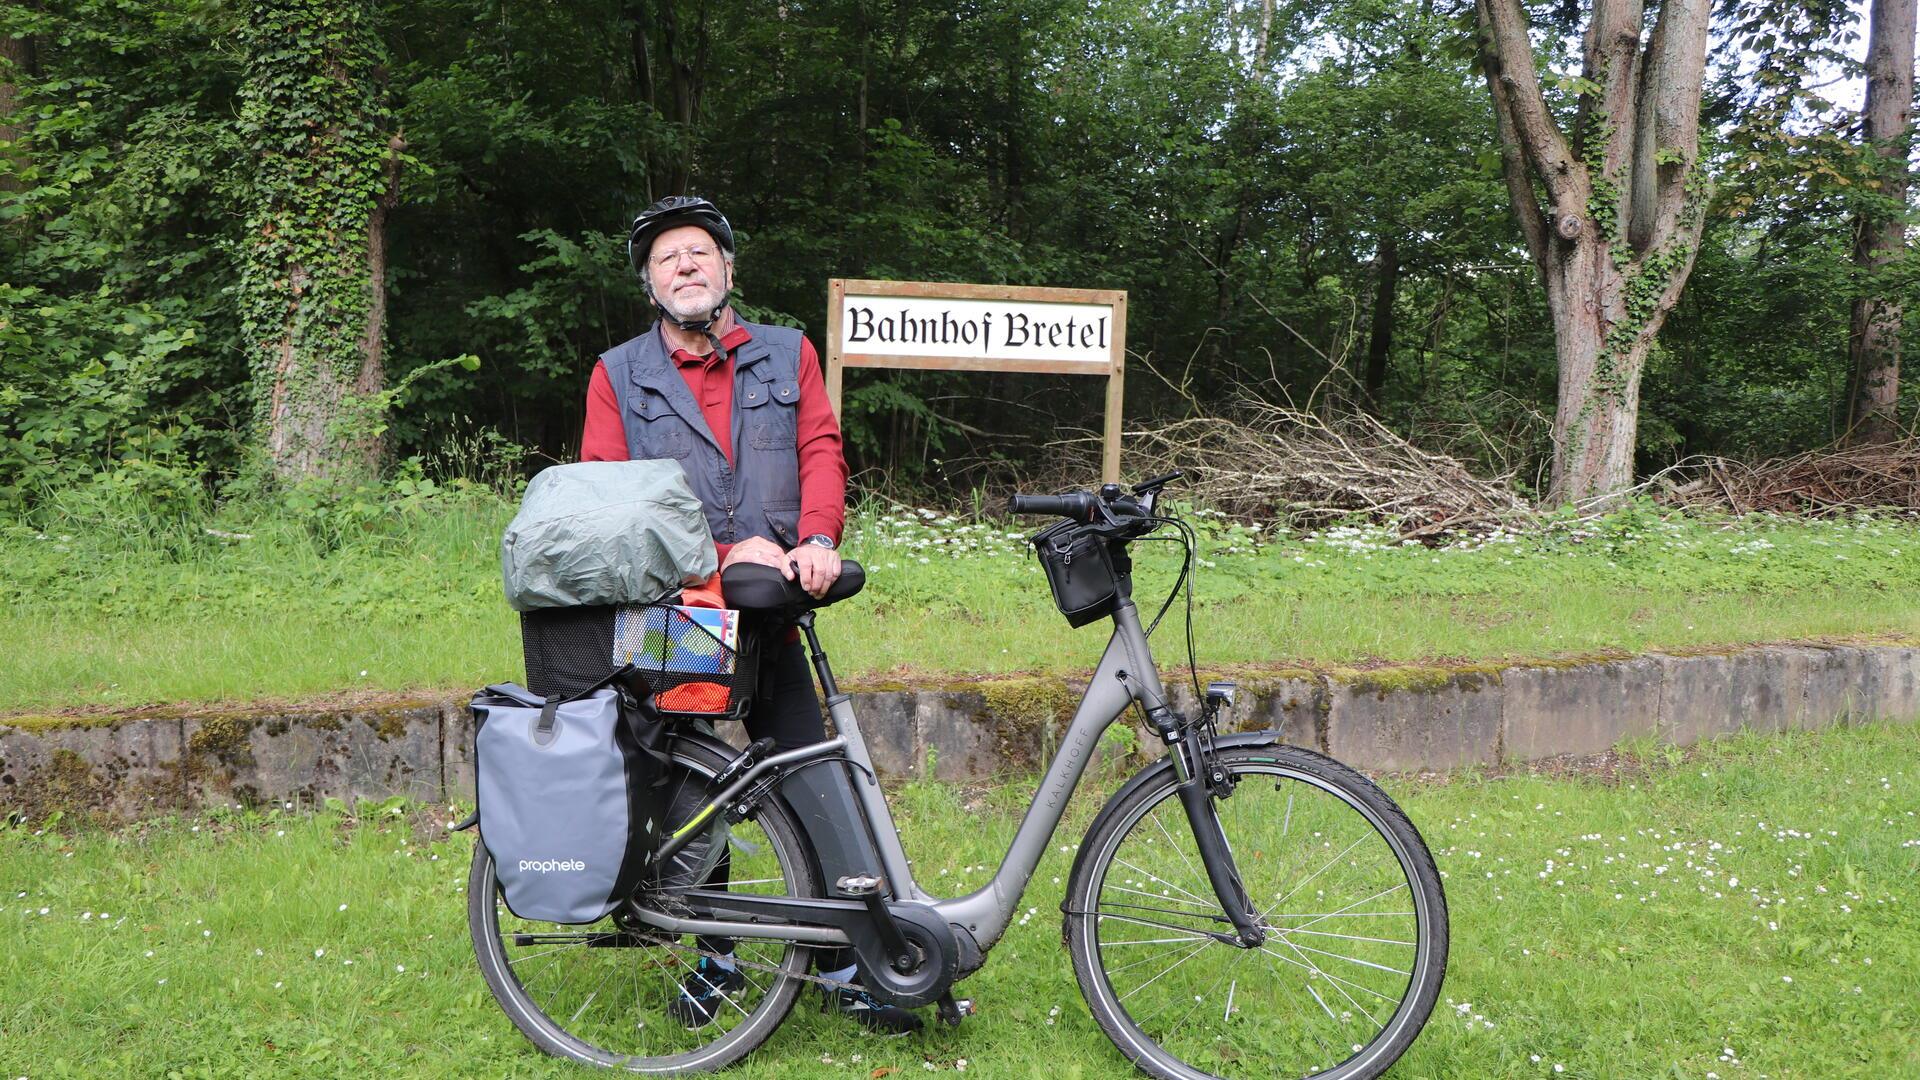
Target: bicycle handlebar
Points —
{"points": [[1078, 505]]}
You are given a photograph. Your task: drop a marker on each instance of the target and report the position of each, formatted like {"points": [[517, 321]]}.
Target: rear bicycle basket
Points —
{"points": [[699, 662]]}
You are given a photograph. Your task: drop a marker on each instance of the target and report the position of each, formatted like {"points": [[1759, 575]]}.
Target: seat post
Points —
{"points": [[820, 665]]}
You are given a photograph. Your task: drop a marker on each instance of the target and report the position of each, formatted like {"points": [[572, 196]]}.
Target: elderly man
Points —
{"points": [[744, 410]]}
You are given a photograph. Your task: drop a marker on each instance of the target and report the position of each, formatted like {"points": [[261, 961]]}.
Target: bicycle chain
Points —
{"points": [[818, 980]]}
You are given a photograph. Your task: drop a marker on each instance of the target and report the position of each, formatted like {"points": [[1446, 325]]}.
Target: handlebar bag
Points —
{"points": [[1080, 571], [571, 796]]}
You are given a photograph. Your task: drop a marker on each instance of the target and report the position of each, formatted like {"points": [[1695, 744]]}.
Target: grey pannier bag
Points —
{"points": [[605, 532], [570, 796]]}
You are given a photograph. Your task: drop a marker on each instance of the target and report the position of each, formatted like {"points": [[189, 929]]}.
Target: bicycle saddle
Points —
{"points": [[753, 587]]}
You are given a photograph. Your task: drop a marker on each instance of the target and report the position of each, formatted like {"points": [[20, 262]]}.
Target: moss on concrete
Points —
{"points": [[1419, 679], [66, 785], [390, 724], [225, 737], [1029, 704], [64, 723]]}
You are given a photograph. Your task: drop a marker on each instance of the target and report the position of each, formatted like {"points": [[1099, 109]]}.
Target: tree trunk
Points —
{"points": [[17, 54], [1240, 139], [1386, 264], [670, 79], [1873, 343], [1612, 216], [313, 275]]}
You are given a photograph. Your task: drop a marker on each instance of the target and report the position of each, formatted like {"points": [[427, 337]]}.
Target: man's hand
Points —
{"points": [[758, 549], [819, 568]]}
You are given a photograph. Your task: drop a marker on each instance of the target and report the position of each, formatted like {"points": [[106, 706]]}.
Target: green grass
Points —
{"points": [[1752, 899], [406, 596]]}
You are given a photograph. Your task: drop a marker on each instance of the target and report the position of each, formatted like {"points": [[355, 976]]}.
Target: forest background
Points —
{"points": [[1304, 201]]}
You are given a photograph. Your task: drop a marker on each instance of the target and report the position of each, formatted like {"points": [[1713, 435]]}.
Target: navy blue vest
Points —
{"points": [[759, 494]]}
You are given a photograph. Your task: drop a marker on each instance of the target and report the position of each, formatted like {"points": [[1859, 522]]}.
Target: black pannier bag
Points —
{"points": [[688, 669], [1080, 571], [571, 796]]}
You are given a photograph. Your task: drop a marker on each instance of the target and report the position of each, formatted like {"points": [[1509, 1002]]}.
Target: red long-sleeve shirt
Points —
{"points": [[823, 464]]}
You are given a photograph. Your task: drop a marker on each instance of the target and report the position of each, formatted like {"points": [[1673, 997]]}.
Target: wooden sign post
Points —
{"points": [[943, 327]]}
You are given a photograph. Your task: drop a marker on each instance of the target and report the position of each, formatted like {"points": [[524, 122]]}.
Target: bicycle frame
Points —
{"points": [[1126, 674]]}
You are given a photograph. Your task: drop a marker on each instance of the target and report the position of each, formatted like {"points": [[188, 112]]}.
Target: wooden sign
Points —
{"points": [[944, 327]]}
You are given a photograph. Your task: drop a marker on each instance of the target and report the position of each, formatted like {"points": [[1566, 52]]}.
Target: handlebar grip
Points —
{"points": [[1077, 505]]}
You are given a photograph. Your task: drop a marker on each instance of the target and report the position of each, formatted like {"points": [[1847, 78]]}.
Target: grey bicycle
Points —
{"points": [[1239, 907]]}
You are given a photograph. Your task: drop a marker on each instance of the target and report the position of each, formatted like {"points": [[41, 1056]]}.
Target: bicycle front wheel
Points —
{"points": [[604, 994], [1355, 921]]}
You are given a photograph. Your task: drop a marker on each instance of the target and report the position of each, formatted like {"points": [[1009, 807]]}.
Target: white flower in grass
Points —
{"points": [[318, 953]]}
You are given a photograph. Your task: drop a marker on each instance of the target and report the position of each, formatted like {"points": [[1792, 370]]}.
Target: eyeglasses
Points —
{"points": [[700, 252]]}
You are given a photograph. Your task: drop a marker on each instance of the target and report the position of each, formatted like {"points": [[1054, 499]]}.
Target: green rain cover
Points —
{"points": [[605, 532]]}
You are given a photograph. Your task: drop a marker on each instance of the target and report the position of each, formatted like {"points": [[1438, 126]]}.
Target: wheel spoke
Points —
{"points": [[1180, 850], [1329, 976], [1303, 884], [1161, 880], [1191, 953], [1288, 932]]}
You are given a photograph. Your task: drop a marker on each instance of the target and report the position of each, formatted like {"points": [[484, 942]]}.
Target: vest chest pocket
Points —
{"points": [[770, 411], [655, 430]]}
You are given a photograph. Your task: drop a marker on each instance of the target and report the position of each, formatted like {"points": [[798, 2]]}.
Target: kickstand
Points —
{"points": [[953, 1011]]}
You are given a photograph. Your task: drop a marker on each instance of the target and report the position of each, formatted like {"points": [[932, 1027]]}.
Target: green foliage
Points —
{"points": [[184, 167]]}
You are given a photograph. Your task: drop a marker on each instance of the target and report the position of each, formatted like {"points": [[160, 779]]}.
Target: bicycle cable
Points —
{"points": [[1189, 541]]}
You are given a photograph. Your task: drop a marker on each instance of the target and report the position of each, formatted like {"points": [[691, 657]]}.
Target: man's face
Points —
{"points": [[689, 286]]}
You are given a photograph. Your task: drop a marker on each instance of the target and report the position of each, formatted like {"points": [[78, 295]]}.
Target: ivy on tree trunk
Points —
{"points": [[1611, 212], [313, 267]]}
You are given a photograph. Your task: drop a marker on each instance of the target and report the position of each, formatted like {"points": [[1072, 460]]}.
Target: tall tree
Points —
{"points": [[1611, 211], [1880, 241], [313, 276], [17, 60]]}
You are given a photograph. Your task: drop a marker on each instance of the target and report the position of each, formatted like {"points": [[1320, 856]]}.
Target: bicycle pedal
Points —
{"points": [[953, 1010]]}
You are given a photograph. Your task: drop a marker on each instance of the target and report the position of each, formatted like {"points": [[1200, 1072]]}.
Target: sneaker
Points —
{"points": [[703, 991], [870, 1012]]}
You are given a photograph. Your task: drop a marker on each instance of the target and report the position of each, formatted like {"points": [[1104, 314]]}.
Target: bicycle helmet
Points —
{"points": [[672, 211]]}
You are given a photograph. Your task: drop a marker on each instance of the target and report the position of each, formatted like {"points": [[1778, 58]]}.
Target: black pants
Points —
{"points": [[786, 710]]}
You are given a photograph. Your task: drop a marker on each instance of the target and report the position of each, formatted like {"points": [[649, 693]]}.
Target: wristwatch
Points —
{"points": [[821, 540]]}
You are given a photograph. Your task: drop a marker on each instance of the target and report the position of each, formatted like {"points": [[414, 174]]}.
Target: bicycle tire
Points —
{"points": [[1140, 871], [656, 968]]}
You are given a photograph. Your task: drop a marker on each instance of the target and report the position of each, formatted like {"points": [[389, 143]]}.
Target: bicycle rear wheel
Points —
{"points": [[600, 994], [1351, 902]]}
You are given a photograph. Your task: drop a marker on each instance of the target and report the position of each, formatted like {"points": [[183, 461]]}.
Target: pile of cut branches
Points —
{"points": [[1819, 482], [1277, 463]]}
